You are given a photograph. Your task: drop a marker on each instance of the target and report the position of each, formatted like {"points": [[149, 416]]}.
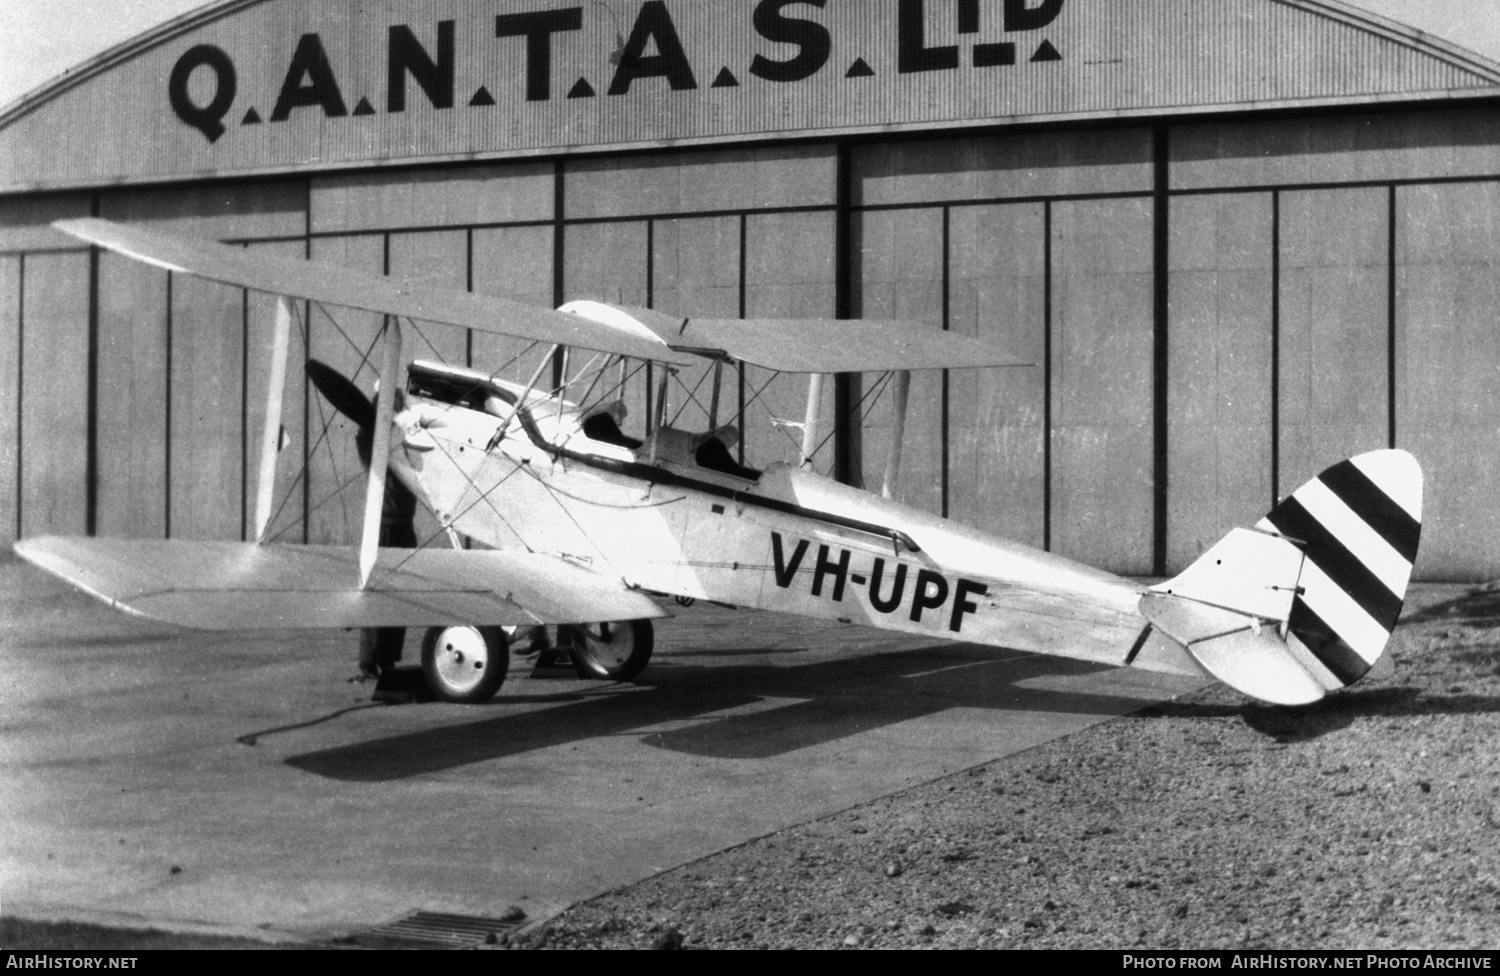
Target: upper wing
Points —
{"points": [[375, 293], [244, 586], [808, 345], [786, 345]]}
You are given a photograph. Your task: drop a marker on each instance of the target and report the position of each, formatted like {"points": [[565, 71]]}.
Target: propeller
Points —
{"points": [[348, 400], [340, 391], [379, 647]]}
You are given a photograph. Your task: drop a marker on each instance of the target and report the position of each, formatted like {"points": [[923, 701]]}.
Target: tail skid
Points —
{"points": [[1305, 603]]}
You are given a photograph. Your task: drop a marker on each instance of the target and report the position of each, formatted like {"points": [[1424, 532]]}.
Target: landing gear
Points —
{"points": [[465, 664], [611, 651]]}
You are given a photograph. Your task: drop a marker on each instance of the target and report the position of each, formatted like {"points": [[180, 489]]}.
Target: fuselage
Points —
{"points": [[674, 514]]}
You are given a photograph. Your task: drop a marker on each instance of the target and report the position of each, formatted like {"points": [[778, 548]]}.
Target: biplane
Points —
{"points": [[550, 513]]}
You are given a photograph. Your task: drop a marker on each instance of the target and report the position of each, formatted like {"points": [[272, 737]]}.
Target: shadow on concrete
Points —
{"points": [[1337, 711], [681, 656], [828, 700], [1479, 607], [120, 642]]}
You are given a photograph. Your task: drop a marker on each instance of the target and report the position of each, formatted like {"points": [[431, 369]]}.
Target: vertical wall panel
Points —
{"points": [[608, 263], [1220, 351], [900, 276], [1102, 436], [696, 273], [287, 509], [997, 282], [10, 399], [696, 266], [207, 438], [336, 484], [1334, 329], [132, 395], [1449, 350], [54, 400], [437, 260], [513, 262], [202, 360], [789, 273]]}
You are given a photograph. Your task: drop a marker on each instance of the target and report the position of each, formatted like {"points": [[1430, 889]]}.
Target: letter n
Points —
{"points": [[406, 56]]}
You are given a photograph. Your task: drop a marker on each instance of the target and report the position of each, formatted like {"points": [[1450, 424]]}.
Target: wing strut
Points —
{"points": [[385, 402], [270, 441], [898, 434], [504, 427], [810, 420], [713, 409]]}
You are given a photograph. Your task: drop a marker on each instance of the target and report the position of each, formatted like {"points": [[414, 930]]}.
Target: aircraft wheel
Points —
{"points": [[465, 664], [612, 651]]}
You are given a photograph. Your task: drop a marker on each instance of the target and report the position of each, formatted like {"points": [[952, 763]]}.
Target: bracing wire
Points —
{"points": [[878, 391]]}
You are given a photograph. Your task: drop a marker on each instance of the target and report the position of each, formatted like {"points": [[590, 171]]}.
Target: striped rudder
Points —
{"points": [[1358, 524], [1305, 603]]}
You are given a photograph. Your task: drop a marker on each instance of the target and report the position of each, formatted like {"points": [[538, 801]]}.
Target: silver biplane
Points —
{"points": [[550, 514]]}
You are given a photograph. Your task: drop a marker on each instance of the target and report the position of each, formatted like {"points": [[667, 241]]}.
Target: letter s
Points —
{"points": [[813, 38]]}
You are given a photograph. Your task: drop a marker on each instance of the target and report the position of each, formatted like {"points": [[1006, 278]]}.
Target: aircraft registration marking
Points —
{"points": [[930, 591]]}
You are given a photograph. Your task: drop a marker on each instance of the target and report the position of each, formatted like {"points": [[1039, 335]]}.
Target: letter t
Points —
{"points": [[538, 28]]}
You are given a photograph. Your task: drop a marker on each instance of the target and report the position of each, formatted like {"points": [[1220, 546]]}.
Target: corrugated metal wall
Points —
{"points": [[1306, 317], [273, 86]]}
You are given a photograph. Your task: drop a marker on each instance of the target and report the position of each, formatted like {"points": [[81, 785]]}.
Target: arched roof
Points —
{"points": [[252, 87]]}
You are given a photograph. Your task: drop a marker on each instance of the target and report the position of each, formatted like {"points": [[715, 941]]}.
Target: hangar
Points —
{"points": [[1237, 241]]}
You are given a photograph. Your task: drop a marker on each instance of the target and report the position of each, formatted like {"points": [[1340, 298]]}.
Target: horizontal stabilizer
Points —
{"points": [[244, 586], [1240, 650]]}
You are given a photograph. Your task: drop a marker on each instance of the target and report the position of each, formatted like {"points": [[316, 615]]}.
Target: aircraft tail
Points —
{"points": [[1304, 603]]}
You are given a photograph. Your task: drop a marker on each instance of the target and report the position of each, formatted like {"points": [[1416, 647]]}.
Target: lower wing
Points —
{"points": [[244, 586]]}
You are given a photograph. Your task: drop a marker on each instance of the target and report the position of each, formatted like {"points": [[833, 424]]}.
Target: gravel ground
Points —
{"points": [[1371, 820]]}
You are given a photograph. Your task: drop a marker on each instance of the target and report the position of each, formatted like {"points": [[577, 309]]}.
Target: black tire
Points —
{"points": [[611, 651], [465, 665]]}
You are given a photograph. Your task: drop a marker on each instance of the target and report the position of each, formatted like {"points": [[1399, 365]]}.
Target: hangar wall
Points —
{"points": [[1216, 310]]}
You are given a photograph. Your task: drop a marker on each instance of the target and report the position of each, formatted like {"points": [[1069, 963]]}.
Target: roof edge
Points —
{"points": [[1395, 30], [1359, 19], [124, 51]]}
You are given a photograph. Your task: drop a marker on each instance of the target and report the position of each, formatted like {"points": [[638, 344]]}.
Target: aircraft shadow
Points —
{"points": [[1308, 722], [1477, 608], [830, 700], [106, 641], [736, 652]]}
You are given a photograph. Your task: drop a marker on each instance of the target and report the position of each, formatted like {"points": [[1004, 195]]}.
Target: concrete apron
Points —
{"points": [[183, 779]]}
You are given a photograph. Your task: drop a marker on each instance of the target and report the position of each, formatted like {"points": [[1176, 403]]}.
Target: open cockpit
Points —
{"points": [[449, 396]]}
